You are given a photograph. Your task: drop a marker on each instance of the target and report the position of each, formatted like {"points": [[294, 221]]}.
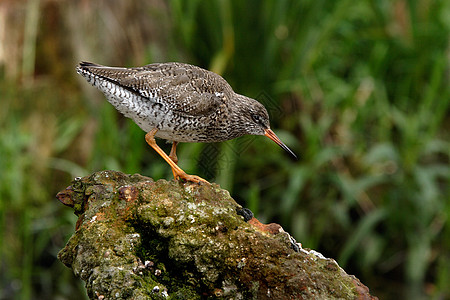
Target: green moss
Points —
{"points": [[138, 238]]}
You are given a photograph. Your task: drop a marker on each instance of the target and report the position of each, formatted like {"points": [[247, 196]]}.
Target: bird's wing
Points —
{"points": [[185, 89]]}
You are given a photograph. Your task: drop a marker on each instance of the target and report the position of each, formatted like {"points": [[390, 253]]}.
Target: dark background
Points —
{"points": [[358, 89]]}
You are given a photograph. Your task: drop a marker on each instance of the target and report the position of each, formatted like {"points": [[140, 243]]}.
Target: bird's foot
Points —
{"points": [[187, 177]]}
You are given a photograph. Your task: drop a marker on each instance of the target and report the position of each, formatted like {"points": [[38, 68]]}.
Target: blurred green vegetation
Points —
{"points": [[359, 89]]}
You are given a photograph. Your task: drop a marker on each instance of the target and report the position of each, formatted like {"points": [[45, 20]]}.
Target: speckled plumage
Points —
{"points": [[180, 103], [186, 103]]}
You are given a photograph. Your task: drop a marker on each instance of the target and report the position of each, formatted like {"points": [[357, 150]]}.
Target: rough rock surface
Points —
{"points": [[140, 239]]}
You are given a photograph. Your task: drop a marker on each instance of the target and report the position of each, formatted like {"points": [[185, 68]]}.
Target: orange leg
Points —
{"points": [[173, 153], [173, 156], [178, 173]]}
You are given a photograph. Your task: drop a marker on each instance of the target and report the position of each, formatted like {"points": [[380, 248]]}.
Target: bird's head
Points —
{"points": [[255, 120]]}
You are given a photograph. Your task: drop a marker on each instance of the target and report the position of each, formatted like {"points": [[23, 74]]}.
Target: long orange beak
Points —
{"points": [[271, 135]]}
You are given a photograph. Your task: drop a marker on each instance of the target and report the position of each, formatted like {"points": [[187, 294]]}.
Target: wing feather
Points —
{"points": [[187, 90]]}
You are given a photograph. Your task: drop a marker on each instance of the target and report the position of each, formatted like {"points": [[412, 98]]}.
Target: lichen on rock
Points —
{"points": [[140, 239]]}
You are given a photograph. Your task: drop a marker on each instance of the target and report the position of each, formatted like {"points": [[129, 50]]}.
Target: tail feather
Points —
{"points": [[88, 64]]}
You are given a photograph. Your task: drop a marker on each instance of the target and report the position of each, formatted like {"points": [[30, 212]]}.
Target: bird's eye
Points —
{"points": [[257, 119]]}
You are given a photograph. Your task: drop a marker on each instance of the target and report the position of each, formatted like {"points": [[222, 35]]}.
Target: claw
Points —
{"points": [[190, 178]]}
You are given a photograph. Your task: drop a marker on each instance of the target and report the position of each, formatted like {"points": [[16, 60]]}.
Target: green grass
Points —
{"points": [[359, 90]]}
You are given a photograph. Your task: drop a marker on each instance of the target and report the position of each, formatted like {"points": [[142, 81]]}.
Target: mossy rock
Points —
{"points": [[140, 239]]}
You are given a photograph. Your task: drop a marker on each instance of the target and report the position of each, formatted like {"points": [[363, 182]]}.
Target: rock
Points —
{"points": [[140, 239]]}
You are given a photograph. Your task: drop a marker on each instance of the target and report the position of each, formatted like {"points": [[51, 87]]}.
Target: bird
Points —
{"points": [[180, 103]]}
